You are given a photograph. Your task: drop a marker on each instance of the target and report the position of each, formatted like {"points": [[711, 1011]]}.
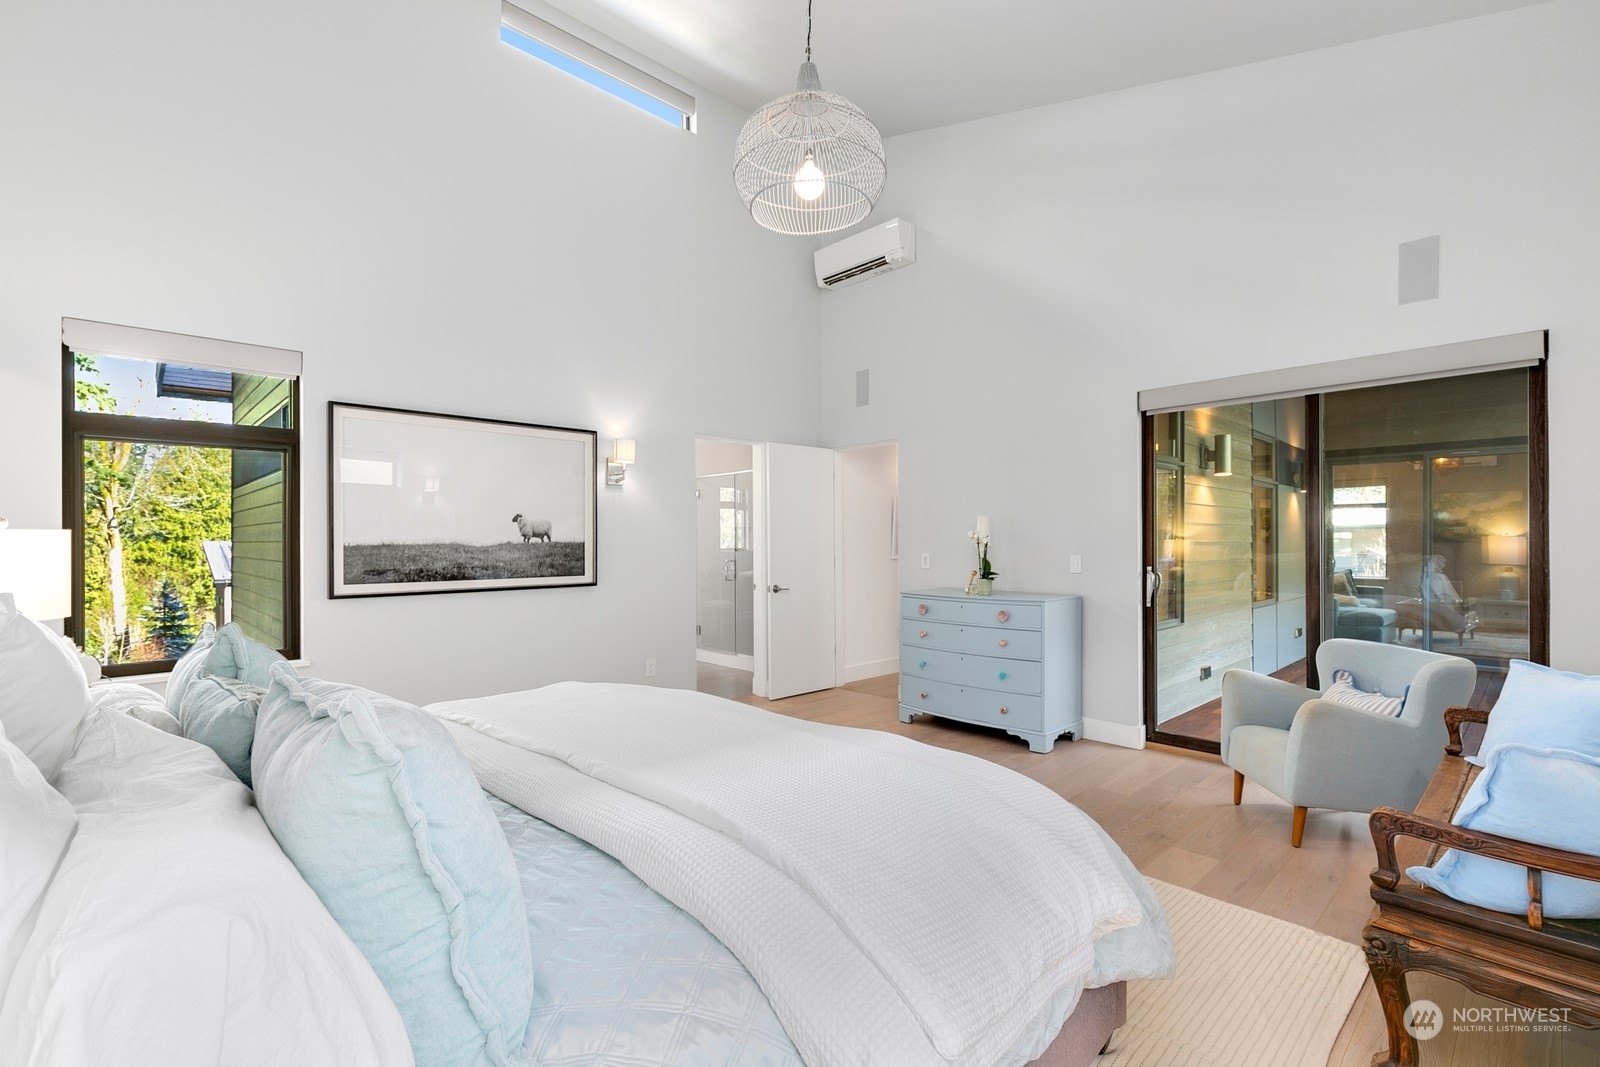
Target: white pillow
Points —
{"points": [[177, 933], [34, 833], [43, 694], [136, 702]]}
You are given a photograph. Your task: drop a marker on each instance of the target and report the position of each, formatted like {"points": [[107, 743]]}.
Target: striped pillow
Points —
{"points": [[1344, 690]]}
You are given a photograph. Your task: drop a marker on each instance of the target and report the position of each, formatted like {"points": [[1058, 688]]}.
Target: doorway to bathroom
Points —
{"points": [[725, 567]]}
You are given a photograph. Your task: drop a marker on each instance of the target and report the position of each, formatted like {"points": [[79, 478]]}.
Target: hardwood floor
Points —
{"points": [[1172, 812], [728, 682]]}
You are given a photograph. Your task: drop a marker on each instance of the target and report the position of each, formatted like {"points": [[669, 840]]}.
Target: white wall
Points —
{"points": [[439, 223], [869, 593], [1239, 221]]}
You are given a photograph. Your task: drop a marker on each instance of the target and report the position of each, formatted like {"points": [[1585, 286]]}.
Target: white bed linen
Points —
{"points": [[916, 907], [177, 933]]}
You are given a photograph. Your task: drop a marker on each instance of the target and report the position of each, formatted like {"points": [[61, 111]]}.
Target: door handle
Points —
{"points": [[1152, 586], [776, 588]]}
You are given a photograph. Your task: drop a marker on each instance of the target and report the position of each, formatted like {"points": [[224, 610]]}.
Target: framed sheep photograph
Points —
{"points": [[428, 503]]}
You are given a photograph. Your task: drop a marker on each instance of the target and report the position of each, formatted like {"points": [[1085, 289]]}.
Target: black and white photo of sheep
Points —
{"points": [[415, 497], [535, 530]]}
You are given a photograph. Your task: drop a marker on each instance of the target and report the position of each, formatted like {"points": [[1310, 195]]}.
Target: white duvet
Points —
{"points": [[898, 903]]}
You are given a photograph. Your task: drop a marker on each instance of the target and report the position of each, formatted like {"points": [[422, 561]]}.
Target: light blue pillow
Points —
{"points": [[235, 655], [1534, 795], [1545, 708], [220, 713], [378, 808], [189, 667]]}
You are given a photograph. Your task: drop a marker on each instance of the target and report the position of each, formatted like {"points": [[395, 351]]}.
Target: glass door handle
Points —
{"points": [[1152, 586]]}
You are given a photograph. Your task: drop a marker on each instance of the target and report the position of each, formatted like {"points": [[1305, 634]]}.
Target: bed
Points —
{"points": [[700, 883]]}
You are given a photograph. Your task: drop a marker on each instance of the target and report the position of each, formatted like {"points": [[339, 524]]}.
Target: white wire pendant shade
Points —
{"points": [[809, 162]]}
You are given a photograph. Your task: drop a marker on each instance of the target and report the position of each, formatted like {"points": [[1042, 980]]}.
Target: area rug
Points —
{"points": [[1251, 991]]}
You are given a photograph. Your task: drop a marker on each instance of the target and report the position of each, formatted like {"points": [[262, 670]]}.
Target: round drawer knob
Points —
{"points": [[1003, 709], [922, 696], [1002, 676], [922, 609], [1002, 642], [1002, 615], [922, 633], [921, 663]]}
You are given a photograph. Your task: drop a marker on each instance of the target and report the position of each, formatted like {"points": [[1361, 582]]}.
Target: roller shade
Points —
{"points": [[1438, 361], [181, 349]]}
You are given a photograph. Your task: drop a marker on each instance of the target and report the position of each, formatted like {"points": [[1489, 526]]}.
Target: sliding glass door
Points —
{"points": [[1226, 550], [1429, 519]]}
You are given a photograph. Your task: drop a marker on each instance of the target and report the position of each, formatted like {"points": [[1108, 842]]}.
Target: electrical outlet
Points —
{"points": [[1075, 564], [649, 668], [1205, 672], [925, 561]]}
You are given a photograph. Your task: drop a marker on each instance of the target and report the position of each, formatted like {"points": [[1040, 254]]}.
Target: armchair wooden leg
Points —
{"points": [[1299, 826], [1238, 787]]}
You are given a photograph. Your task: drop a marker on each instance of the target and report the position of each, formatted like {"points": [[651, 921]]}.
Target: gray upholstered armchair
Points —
{"points": [[1315, 753]]}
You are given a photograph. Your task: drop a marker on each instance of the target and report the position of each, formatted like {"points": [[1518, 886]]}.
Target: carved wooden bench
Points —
{"points": [[1529, 961]]}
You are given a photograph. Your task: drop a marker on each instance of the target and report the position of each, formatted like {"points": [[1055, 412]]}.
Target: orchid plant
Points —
{"points": [[982, 541]]}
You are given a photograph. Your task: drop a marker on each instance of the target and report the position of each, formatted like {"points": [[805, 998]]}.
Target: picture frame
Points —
{"points": [[421, 502]]}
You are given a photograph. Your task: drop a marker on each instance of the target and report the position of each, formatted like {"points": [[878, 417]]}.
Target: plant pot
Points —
{"points": [[981, 587]]}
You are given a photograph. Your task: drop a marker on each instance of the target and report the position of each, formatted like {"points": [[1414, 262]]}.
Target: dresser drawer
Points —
{"points": [[990, 672], [970, 704], [973, 611], [985, 640]]}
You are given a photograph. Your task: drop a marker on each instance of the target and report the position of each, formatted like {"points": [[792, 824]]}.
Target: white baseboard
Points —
{"points": [[859, 672], [725, 659], [1124, 734]]}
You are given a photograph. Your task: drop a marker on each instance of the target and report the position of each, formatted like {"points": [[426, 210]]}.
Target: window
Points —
{"points": [[546, 42], [182, 478], [1360, 520], [732, 519]]}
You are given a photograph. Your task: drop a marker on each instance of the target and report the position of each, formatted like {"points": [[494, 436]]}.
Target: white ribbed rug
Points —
{"points": [[1251, 991]]}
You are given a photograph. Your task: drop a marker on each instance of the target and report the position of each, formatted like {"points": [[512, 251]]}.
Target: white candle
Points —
{"points": [[983, 527]]}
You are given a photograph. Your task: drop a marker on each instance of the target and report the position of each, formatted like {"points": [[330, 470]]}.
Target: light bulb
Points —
{"points": [[808, 180]]}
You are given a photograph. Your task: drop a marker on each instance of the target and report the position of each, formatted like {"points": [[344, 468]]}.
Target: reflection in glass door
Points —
{"points": [[1225, 574], [1428, 518]]}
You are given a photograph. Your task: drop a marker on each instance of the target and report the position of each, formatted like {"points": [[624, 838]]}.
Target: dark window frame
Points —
{"points": [[80, 427]]}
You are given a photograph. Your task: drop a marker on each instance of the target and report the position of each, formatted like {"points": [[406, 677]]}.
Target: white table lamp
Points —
{"points": [[36, 569]]}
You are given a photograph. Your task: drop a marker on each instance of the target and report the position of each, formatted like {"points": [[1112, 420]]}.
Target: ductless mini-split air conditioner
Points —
{"points": [[887, 246]]}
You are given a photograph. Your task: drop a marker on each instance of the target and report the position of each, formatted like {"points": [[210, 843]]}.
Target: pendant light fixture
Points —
{"points": [[810, 162]]}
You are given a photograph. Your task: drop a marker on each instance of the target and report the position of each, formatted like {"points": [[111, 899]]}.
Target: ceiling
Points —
{"points": [[915, 64]]}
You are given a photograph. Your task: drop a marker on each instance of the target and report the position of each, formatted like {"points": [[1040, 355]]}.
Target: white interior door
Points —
{"points": [[795, 576]]}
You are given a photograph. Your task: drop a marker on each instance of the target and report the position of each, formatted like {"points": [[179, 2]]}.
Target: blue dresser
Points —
{"points": [[1012, 660]]}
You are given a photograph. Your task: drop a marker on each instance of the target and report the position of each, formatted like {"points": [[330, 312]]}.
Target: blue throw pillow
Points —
{"points": [[1529, 794], [189, 667], [1545, 708], [378, 808], [220, 713], [234, 655]]}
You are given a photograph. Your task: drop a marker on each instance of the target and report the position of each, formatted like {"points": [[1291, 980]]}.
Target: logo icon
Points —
{"points": [[1424, 1019]]}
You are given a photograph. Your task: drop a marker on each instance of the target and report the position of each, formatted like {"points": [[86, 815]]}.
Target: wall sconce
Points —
{"points": [[1507, 551], [1219, 456], [617, 464], [36, 569]]}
